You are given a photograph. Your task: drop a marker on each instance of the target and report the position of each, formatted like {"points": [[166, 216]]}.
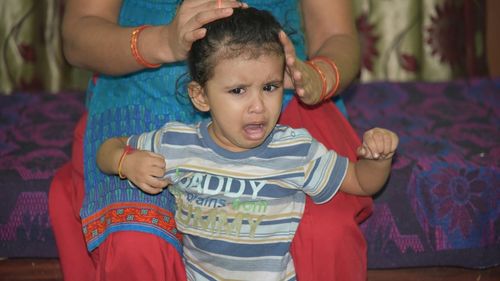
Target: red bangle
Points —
{"points": [[335, 69], [322, 76], [135, 51], [127, 150]]}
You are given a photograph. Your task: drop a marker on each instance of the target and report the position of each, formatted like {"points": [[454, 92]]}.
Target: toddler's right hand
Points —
{"points": [[145, 170]]}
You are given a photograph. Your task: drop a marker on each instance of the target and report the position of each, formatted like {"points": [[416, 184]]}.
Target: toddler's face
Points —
{"points": [[244, 96]]}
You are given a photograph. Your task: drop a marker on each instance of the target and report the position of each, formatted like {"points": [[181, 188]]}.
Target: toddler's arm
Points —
{"points": [[143, 168], [369, 174]]}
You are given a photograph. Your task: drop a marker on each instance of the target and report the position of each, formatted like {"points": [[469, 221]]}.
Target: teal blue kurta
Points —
{"points": [[139, 102]]}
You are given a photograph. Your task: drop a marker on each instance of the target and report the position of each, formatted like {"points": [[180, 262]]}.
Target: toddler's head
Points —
{"points": [[237, 73], [248, 33]]}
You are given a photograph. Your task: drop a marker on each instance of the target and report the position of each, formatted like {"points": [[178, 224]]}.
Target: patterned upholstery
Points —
{"points": [[441, 205]]}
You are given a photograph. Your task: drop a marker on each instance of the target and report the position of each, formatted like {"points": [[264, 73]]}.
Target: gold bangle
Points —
{"points": [[335, 69], [135, 51], [322, 76]]}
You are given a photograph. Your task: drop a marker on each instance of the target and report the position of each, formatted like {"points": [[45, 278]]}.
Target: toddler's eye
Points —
{"points": [[237, 91], [270, 88]]}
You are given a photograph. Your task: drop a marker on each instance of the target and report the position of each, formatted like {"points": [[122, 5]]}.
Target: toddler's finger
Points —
{"points": [[157, 172], [371, 145], [379, 139], [387, 144], [149, 189], [157, 183], [361, 152], [368, 152]]}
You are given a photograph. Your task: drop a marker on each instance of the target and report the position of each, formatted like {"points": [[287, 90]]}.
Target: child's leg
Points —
{"points": [[329, 244], [65, 201], [129, 255]]}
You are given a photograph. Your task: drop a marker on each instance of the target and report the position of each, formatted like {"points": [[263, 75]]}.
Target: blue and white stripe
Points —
{"points": [[240, 211]]}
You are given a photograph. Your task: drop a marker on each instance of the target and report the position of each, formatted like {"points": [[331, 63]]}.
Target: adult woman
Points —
{"points": [[132, 235]]}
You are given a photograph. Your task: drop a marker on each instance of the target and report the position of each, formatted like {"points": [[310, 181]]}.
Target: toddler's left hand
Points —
{"points": [[378, 144]]}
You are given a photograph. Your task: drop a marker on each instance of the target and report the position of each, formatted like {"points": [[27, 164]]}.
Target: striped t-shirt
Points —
{"points": [[240, 210]]}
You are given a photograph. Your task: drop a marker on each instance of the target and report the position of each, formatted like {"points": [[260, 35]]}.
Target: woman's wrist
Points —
{"points": [[322, 77], [165, 44], [140, 47], [331, 72], [153, 46]]}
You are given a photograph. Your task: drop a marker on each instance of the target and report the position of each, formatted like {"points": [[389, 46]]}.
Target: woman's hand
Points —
{"points": [[187, 25], [299, 76]]}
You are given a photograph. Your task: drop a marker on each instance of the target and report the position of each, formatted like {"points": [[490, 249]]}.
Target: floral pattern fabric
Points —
{"points": [[421, 40], [36, 132], [417, 40], [441, 205]]}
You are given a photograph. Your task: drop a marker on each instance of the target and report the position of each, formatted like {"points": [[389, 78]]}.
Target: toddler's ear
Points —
{"points": [[198, 97]]}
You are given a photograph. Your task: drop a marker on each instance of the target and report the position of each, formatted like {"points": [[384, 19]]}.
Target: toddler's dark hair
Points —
{"points": [[247, 32]]}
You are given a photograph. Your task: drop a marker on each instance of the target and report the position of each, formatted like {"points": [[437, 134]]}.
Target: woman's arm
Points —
{"points": [[331, 31], [93, 40]]}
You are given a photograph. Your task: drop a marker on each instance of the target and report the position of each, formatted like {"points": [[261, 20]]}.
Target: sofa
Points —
{"points": [[440, 207]]}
